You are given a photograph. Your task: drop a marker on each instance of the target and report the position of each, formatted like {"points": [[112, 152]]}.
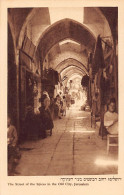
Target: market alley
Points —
{"points": [[73, 149]]}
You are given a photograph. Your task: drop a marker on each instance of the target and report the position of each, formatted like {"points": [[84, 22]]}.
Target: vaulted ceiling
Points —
{"points": [[63, 36]]}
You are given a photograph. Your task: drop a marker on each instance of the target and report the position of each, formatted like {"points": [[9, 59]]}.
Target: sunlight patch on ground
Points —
{"points": [[80, 117], [105, 162], [81, 131]]}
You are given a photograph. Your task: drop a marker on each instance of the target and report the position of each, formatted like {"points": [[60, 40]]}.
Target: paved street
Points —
{"points": [[74, 149]]}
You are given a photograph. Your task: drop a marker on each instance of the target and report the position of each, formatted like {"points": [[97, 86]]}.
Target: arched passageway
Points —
{"points": [[65, 29], [70, 62], [62, 56]]}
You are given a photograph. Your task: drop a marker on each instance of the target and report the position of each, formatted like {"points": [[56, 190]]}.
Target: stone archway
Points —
{"points": [[70, 62], [62, 30]]}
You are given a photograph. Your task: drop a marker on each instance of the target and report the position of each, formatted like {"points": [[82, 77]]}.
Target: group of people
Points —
{"points": [[35, 125], [38, 124], [59, 105]]}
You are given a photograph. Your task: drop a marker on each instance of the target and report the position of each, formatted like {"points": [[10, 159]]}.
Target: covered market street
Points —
{"points": [[74, 149], [64, 65]]}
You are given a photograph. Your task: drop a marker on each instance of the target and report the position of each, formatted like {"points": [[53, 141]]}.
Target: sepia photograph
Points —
{"points": [[62, 91]]}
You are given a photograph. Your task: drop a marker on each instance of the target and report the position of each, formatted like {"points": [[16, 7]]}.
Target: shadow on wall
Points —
{"points": [[12, 80]]}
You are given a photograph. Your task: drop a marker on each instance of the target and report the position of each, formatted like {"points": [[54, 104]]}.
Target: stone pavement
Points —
{"points": [[74, 149]]}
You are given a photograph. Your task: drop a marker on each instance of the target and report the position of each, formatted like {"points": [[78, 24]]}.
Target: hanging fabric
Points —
{"points": [[85, 81], [98, 60], [51, 76], [90, 65]]}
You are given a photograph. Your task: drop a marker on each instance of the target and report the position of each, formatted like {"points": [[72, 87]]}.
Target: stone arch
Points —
{"points": [[31, 15], [68, 62], [69, 71], [30, 12], [59, 53], [72, 66], [74, 76], [62, 30]]}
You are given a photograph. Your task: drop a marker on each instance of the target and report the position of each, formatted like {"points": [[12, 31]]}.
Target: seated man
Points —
{"points": [[111, 118]]}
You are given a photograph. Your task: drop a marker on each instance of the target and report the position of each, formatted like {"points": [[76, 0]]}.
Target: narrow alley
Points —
{"points": [[57, 66], [74, 149]]}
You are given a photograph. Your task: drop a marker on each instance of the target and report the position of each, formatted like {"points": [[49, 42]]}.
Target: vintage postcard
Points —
{"points": [[61, 86]]}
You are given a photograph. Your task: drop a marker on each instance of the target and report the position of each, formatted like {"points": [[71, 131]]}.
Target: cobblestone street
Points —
{"points": [[73, 149]]}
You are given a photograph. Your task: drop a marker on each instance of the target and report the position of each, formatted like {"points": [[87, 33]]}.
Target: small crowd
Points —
{"points": [[37, 125]]}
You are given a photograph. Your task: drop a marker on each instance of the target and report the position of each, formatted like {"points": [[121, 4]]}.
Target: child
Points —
{"points": [[11, 134], [111, 118], [13, 154]]}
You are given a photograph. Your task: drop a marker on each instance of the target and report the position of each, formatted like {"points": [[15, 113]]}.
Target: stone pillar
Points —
{"points": [[13, 81], [116, 75], [17, 89]]}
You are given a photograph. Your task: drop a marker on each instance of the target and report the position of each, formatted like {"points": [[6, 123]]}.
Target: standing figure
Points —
{"points": [[68, 100], [58, 103], [45, 116], [31, 125], [64, 106]]}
